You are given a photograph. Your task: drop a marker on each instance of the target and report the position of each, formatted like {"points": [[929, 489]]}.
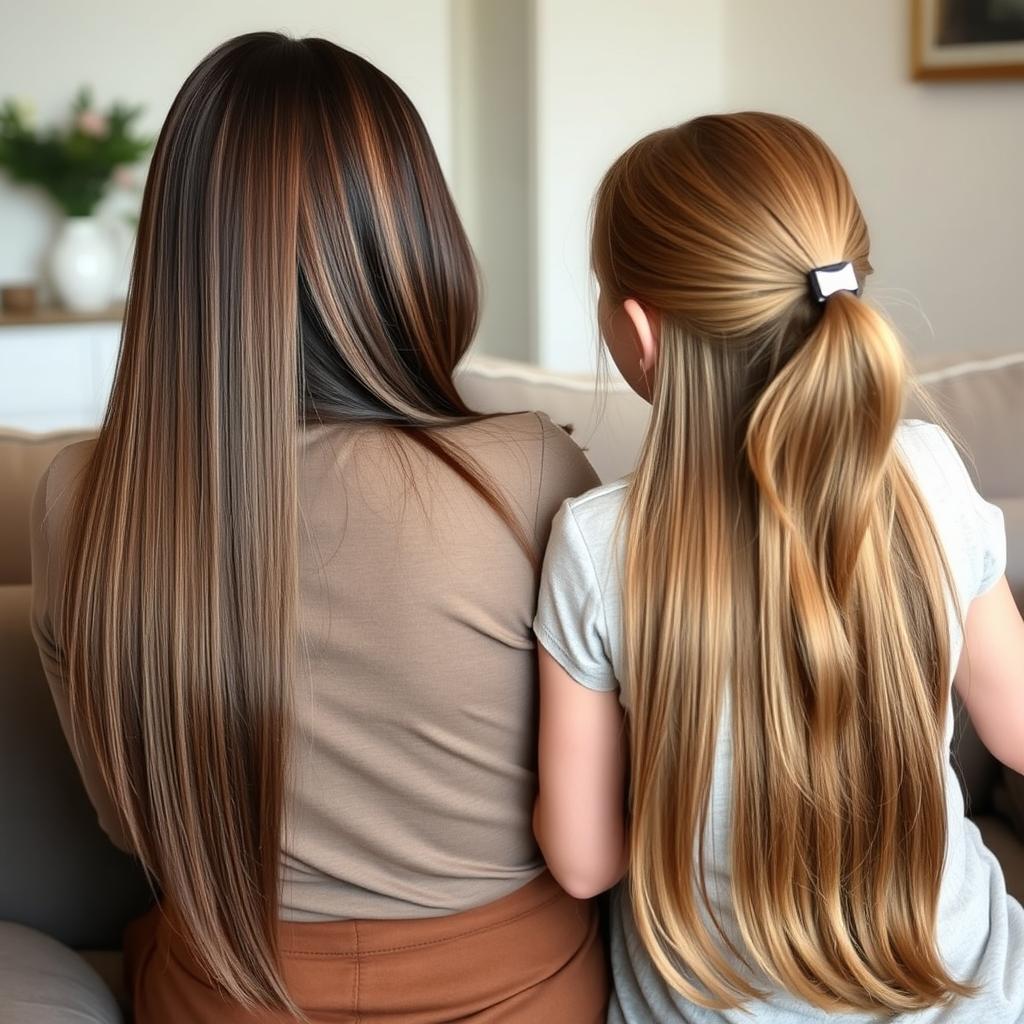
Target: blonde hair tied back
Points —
{"points": [[784, 581]]}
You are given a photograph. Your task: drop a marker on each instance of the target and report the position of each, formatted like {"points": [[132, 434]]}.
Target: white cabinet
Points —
{"points": [[56, 376]]}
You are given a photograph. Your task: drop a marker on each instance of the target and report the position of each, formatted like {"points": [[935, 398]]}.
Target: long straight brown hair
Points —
{"points": [[299, 259], [781, 568]]}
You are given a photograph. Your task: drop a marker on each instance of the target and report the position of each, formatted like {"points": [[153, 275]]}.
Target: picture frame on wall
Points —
{"points": [[967, 38]]}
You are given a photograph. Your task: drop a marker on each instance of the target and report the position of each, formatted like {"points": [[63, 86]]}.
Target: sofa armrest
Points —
{"points": [[58, 871]]}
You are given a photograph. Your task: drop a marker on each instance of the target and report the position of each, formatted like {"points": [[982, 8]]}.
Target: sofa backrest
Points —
{"points": [[607, 419], [58, 870], [980, 401], [983, 403]]}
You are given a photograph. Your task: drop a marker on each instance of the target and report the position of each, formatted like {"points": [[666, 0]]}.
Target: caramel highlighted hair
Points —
{"points": [[299, 259], [783, 584]]}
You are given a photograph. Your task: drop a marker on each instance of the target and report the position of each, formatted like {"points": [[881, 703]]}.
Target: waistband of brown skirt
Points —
{"points": [[367, 938], [359, 938]]}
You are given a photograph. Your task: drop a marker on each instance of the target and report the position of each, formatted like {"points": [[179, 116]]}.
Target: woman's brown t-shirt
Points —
{"points": [[412, 773]]}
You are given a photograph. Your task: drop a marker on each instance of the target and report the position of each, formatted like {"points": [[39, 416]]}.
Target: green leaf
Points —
{"points": [[74, 167]]}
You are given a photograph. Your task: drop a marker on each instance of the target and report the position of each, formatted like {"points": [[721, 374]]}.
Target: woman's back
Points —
{"points": [[415, 759], [412, 768]]}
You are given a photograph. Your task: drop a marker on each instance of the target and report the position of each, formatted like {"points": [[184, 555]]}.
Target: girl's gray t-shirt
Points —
{"points": [[980, 927]]}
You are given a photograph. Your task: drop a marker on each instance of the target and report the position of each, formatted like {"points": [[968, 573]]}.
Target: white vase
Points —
{"points": [[82, 265]]}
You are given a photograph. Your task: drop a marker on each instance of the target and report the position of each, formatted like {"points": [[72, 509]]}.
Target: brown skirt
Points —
{"points": [[534, 957]]}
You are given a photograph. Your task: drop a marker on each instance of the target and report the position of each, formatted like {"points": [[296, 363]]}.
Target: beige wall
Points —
{"points": [[605, 73], [529, 101], [939, 168], [547, 94], [492, 134]]}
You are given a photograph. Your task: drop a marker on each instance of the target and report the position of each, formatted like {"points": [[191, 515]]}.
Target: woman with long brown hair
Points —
{"points": [[766, 619], [284, 598]]}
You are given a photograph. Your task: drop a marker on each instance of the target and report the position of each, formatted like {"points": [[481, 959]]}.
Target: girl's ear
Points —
{"points": [[645, 334]]}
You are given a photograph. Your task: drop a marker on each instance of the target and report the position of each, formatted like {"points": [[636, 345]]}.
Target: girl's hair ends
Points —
{"points": [[782, 574]]}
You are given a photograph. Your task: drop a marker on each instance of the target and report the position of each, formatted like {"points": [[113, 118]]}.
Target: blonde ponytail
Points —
{"points": [[784, 582]]}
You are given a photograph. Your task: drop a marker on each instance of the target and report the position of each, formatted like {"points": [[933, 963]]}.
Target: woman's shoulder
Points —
{"points": [[529, 454], [49, 516], [530, 427], [519, 436], [60, 477]]}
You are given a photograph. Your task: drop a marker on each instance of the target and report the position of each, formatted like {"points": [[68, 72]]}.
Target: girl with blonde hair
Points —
{"points": [[749, 644]]}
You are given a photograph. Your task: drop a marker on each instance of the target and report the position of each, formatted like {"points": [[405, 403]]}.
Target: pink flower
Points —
{"points": [[92, 123], [124, 177]]}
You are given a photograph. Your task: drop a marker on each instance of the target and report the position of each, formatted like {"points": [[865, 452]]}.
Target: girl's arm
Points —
{"points": [[990, 676], [579, 817]]}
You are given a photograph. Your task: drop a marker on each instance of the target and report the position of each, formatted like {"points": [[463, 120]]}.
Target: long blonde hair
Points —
{"points": [[299, 259], [781, 569]]}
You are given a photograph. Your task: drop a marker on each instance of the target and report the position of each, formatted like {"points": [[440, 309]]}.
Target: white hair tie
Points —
{"points": [[837, 277]]}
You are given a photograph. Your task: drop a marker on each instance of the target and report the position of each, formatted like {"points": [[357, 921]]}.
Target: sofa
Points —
{"points": [[66, 892]]}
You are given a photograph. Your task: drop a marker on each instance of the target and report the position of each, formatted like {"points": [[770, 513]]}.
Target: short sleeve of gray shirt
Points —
{"points": [[571, 620]]}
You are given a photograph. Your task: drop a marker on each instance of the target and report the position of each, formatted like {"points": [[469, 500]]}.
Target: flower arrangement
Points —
{"points": [[76, 161]]}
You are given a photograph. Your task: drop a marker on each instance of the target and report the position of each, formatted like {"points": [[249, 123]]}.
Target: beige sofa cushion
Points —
{"points": [[23, 460], [43, 982], [608, 423], [983, 402]]}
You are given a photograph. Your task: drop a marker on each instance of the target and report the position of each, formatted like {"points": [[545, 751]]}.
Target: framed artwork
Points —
{"points": [[967, 38]]}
